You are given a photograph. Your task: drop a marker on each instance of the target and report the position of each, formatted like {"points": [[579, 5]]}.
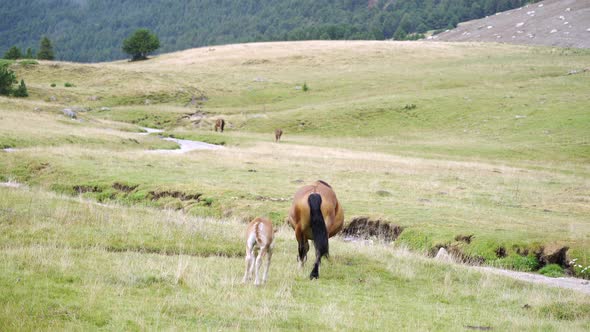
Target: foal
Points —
{"points": [[261, 234]]}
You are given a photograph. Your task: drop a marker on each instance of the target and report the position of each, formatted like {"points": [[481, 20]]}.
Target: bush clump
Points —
{"points": [[552, 270], [519, 263]]}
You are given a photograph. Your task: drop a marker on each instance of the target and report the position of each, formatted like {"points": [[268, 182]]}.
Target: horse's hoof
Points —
{"points": [[314, 276]]}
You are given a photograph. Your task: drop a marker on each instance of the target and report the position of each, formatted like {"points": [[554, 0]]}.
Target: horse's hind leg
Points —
{"points": [[258, 264], [268, 257], [303, 247], [315, 273], [249, 262], [249, 259]]}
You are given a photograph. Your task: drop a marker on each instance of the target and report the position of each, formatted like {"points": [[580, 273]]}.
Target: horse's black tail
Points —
{"points": [[318, 226]]}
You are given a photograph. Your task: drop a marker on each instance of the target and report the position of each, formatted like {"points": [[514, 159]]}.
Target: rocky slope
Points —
{"points": [[563, 23]]}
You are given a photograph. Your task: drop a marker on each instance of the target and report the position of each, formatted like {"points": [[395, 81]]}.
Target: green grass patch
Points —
{"points": [[552, 270], [68, 263]]}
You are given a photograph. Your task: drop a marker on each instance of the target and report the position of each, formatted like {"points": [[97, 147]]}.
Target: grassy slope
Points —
{"points": [[461, 162], [72, 264]]}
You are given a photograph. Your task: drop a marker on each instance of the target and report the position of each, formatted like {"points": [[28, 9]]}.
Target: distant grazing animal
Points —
{"points": [[315, 215], [219, 124], [258, 234], [278, 134]]}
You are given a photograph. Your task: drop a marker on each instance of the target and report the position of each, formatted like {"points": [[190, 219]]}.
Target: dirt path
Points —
{"points": [[579, 285], [188, 145]]}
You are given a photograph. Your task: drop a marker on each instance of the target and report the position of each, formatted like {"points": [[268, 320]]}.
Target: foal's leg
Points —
{"points": [[258, 264], [249, 262], [268, 257]]}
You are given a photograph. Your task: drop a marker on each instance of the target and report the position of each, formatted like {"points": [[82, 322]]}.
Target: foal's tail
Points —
{"points": [[318, 225]]}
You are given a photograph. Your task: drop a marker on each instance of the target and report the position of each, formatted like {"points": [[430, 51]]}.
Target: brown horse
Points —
{"points": [[278, 134], [315, 215], [219, 124]]}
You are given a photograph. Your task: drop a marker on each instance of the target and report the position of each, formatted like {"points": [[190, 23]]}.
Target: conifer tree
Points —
{"points": [[45, 50], [29, 54], [7, 79], [13, 53], [21, 91]]}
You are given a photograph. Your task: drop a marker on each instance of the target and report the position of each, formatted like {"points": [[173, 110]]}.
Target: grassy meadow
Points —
{"points": [[442, 139]]}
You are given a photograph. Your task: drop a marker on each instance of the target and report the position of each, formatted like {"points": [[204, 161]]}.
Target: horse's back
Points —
{"points": [[331, 209], [262, 228]]}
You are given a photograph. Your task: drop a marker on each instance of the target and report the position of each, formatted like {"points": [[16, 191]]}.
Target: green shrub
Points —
{"points": [[519, 263], [5, 62], [207, 201], [552, 270], [7, 79], [53, 85], [69, 85], [305, 87], [28, 62]]}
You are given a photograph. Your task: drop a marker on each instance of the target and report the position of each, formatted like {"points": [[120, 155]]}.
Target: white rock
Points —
{"points": [[561, 17], [568, 9], [541, 5], [443, 256], [490, 26], [518, 25], [553, 31], [520, 116]]}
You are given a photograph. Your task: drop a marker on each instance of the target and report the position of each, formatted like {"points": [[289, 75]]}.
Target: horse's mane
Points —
{"points": [[324, 183]]}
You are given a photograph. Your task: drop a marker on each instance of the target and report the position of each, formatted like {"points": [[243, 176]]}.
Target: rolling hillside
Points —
{"points": [[93, 30]]}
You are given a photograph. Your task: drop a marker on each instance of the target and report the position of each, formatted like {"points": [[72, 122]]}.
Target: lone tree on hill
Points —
{"points": [[140, 44], [7, 79], [13, 53], [45, 50]]}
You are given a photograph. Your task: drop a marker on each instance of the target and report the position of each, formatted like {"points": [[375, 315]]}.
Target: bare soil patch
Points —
{"points": [[155, 195], [365, 228]]}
